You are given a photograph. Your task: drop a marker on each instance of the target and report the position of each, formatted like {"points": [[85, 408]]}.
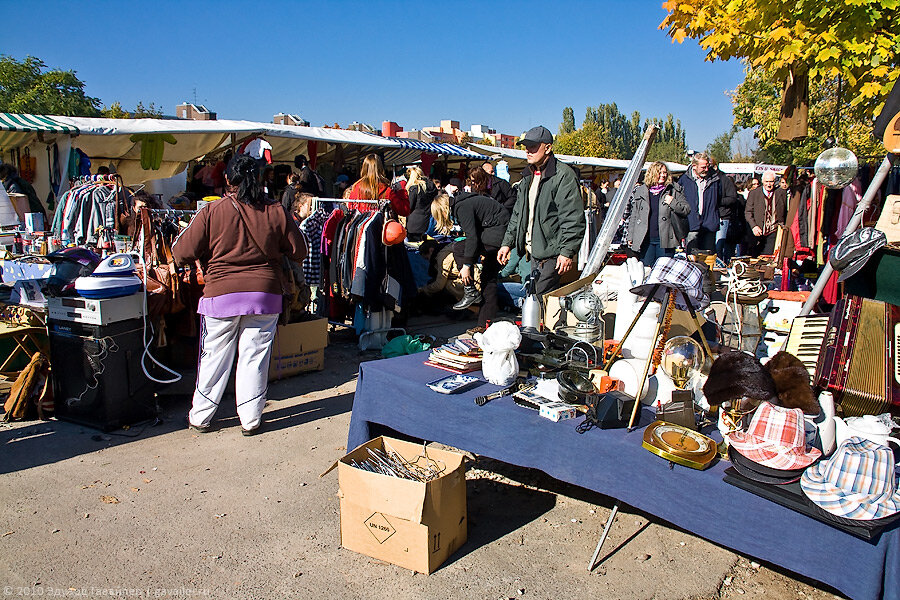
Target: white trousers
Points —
{"points": [[251, 336]]}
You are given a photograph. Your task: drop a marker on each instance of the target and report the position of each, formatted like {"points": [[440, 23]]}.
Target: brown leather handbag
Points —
{"points": [[162, 280]]}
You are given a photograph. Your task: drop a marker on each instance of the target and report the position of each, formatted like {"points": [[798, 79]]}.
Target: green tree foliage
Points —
{"points": [[757, 103], [720, 148], [670, 143], [622, 132], [858, 40], [487, 141], [590, 140], [608, 133], [115, 111], [27, 86], [568, 122]]}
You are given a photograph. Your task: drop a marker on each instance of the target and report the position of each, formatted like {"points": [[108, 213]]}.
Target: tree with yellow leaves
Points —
{"points": [[856, 40]]}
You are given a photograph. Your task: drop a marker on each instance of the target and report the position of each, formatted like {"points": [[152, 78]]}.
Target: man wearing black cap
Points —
{"points": [[547, 223]]}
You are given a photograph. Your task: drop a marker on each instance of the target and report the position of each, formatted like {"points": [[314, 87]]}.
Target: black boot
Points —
{"points": [[472, 296]]}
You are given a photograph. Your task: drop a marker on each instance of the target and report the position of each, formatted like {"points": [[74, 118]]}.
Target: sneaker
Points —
{"points": [[249, 432], [199, 428]]}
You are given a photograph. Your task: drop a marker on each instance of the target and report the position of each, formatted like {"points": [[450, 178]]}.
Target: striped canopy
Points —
{"points": [[410, 151], [16, 130]]}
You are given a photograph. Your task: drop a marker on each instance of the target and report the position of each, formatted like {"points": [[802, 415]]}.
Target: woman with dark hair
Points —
{"points": [[240, 240], [484, 222]]}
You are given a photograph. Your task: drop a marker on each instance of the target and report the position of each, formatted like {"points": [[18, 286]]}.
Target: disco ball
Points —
{"points": [[682, 358], [836, 167]]}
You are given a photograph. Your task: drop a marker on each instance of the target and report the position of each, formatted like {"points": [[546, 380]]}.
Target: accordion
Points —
{"points": [[858, 361]]}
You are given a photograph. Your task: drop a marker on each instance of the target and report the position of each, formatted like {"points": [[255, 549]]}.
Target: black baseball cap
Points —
{"points": [[537, 135], [455, 181]]}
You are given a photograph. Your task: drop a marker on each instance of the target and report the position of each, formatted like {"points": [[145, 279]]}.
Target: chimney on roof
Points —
{"points": [[288, 119], [194, 112]]}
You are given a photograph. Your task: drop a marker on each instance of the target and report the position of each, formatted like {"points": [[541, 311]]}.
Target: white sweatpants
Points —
{"points": [[251, 336]]}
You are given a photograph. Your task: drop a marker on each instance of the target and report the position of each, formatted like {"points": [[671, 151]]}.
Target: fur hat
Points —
{"points": [[736, 375], [792, 383]]}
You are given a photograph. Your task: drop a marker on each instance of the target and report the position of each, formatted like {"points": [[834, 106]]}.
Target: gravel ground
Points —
{"points": [[157, 510]]}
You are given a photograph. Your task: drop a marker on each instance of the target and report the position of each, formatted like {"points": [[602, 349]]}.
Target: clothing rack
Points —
{"points": [[172, 212], [112, 177], [342, 201]]}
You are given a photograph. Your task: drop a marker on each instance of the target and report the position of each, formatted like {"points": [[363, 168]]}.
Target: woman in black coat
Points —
{"points": [[421, 192], [484, 222]]}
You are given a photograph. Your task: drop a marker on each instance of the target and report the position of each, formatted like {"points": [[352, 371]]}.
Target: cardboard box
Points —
{"points": [[408, 523], [298, 347]]}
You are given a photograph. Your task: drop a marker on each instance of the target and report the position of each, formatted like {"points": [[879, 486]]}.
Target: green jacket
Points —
{"points": [[559, 214]]}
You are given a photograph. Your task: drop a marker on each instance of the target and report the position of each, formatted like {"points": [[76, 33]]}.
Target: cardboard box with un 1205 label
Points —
{"points": [[298, 347], [412, 524]]}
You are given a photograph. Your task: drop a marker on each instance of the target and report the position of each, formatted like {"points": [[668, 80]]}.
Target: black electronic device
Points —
{"points": [[97, 376]]}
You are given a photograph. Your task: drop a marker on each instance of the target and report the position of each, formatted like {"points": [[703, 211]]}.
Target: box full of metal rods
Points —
{"points": [[403, 503]]}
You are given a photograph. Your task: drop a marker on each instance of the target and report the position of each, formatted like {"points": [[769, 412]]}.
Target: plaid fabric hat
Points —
{"points": [[775, 439], [678, 274], [858, 481]]}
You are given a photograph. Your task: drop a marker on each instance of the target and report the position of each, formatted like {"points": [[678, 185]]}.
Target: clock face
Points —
{"points": [[681, 440]]}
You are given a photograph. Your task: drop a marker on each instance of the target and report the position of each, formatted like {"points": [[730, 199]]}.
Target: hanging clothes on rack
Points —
{"points": [[93, 203]]}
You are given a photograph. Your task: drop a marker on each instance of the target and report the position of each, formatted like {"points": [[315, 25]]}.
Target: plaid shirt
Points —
{"points": [[312, 229], [857, 482]]}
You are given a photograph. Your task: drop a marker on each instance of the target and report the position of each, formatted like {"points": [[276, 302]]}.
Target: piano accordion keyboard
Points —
{"points": [[805, 340]]}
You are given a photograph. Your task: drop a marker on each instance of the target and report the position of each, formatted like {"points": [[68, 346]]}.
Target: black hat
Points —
{"points": [[455, 181], [537, 135], [761, 473], [853, 250]]}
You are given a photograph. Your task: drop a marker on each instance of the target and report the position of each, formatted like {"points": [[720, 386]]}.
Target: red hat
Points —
{"points": [[775, 439], [393, 233]]}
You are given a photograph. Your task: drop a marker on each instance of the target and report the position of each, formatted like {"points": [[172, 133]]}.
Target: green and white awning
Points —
{"points": [[16, 130]]}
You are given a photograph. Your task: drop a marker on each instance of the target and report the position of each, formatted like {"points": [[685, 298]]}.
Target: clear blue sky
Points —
{"points": [[508, 65]]}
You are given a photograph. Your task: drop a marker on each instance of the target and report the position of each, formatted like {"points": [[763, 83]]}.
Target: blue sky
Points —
{"points": [[508, 65]]}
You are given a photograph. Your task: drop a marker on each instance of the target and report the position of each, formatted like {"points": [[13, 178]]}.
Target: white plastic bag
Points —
{"points": [[499, 343]]}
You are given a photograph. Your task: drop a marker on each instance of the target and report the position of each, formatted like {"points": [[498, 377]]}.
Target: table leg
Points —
{"points": [[606, 528]]}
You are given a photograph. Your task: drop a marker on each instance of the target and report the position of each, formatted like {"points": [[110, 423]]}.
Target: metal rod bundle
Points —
{"points": [[389, 462]]}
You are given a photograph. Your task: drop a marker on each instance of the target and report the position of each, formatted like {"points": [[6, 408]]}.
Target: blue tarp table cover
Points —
{"points": [[392, 393]]}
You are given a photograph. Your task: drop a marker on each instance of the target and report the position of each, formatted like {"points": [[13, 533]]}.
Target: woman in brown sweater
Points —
{"points": [[240, 240]]}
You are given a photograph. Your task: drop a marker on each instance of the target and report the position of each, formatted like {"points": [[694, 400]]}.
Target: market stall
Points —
{"points": [[612, 462]]}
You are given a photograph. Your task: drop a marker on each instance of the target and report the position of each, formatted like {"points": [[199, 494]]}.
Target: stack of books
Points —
{"points": [[460, 355]]}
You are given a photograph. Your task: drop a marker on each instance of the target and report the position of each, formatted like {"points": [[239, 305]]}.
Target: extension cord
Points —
{"points": [[146, 353]]}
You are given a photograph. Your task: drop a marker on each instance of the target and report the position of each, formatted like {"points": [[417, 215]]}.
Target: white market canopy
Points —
{"points": [[120, 141], [606, 164]]}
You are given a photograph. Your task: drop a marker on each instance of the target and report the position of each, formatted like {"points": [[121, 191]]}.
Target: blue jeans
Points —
{"points": [[651, 250], [722, 245], [511, 293]]}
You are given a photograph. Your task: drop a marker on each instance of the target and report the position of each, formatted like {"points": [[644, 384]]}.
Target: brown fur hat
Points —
{"points": [[792, 383], [735, 375]]}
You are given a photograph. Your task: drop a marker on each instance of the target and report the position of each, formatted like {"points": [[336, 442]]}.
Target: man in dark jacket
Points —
{"points": [[703, 191], [766, 209], [547, 221], [499, 189]]}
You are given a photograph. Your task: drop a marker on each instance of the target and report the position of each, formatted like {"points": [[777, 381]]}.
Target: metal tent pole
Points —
{"points": [[855, 221]]}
